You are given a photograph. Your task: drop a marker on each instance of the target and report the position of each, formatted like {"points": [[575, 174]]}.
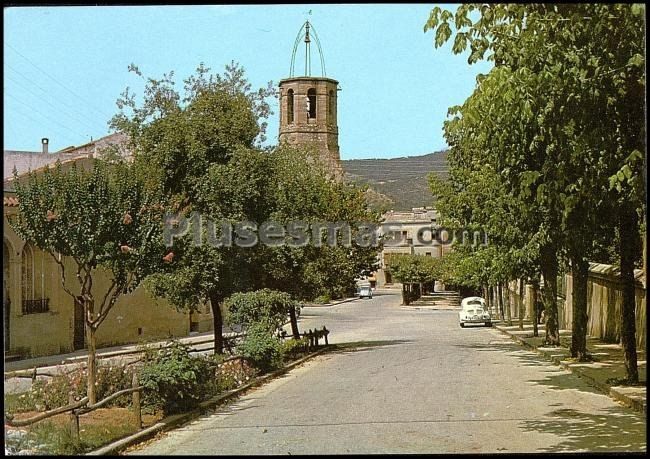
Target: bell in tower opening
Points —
{"points": [[308, 105]]}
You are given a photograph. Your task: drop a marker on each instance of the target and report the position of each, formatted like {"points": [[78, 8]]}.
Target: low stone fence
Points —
{"points": [[604, 299]]}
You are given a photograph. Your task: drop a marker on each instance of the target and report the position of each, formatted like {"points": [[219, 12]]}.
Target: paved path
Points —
{"points": [[412, 382]]}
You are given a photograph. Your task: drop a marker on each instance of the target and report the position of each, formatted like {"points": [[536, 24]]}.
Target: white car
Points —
{"points": [[474, 311], [365, 291]]}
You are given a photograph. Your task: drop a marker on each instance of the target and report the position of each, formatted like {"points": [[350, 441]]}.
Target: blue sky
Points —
{"points": [[64, 67]]}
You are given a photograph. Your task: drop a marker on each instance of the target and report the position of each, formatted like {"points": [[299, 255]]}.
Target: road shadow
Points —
{"points": [[558, 380], [356, 346], [614, 429]]}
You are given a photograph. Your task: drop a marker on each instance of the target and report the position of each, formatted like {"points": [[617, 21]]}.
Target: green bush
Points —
{"points": [[262, 348], [270, 307], [53, 392], [111, 379], [294, 347], [323, 299], [234, 373], [175, 381]]}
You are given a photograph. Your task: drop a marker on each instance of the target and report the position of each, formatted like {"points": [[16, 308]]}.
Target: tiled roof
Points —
{"points": [[25, 161]]}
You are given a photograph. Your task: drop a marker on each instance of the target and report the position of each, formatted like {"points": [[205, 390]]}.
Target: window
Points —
{"points": [[330, 106], [311, 104], [33, 281], [290, 106], [428, 254]]}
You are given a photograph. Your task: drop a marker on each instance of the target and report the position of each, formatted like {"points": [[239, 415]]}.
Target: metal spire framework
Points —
{"points": [[305, 34]]}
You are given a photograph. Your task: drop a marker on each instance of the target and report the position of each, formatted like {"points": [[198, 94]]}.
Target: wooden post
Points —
{"points": [[34, 376], [137, 408], [311, 339], [325, 333], [74, 420]]}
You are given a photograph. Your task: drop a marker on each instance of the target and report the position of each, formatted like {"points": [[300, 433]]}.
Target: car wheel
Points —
{"points": [[462, 325], [488, 324]]}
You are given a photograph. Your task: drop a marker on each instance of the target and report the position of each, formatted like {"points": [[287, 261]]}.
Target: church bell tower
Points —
{"points": [[308, 105]]}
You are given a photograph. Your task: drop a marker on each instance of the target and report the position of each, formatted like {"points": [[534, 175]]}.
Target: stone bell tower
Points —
{"points": [[308, 106]]}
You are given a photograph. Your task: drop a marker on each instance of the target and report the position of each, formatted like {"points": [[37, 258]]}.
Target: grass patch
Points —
{"points": [[18, 403], [102, 426], [56, 438]]}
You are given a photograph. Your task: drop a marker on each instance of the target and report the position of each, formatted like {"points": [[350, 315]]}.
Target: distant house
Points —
{"points": [[408, 233], [39, 317]]}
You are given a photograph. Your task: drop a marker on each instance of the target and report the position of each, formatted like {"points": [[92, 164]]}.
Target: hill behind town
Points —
{"points": [[397, 183]]}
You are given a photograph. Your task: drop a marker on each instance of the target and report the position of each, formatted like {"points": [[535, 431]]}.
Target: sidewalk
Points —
{"points": [[81, 355], [608, 365]]}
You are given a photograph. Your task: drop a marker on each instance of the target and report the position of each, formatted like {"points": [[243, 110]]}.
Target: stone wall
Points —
{"points": [[604, 298]]}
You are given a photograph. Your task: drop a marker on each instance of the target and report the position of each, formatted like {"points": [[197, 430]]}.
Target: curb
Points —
{"points": [[316, 305], [635, 404], [177, 419]]}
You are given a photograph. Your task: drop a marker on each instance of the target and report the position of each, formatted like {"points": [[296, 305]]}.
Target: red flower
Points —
{"points": [[51, 216], [127, 219], [125, 248], [169, 257]]}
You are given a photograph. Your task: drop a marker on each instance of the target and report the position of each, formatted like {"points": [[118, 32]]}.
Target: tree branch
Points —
{"points": [[62, 266]]}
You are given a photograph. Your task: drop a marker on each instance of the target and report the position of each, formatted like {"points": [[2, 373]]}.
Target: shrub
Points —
{"points": [[175, 381], [294, 347], [323, 299], [53, 392], [111, 379], [262, 348], [270, 307], [233, 373]]}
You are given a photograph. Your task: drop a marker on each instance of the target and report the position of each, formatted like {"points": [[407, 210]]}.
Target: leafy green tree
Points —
{"points": [[300, 190], [188, 142], [268, 307], [577, 90], [413, 270], [101, 219]]}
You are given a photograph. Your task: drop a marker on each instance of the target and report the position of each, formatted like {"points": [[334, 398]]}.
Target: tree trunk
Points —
{"points": [[628, 227], [491, 298], [217, 321], [549, 293], [294, 323], [92, 364], [534, 299], [508, 305], [579, 273], [522, 309], [500, 302]]}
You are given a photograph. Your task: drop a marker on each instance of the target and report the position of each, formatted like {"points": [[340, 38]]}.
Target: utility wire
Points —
{"points": [[43, 115], [57, 81], [58, 109], [46, 92]]}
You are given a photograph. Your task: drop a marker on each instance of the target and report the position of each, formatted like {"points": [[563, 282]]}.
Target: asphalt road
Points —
{"points": [[410, 381]]}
